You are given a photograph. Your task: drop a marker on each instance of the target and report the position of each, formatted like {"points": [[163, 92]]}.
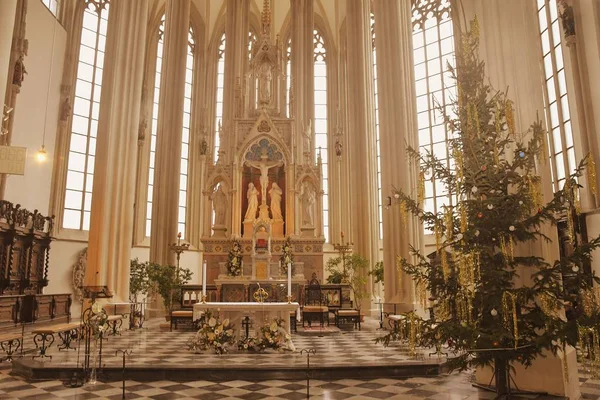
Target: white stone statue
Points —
{"points": [[264, 84], [264, 167], [275, 194], [252, 196], [307, 133], [219, 202], [308, 200]]}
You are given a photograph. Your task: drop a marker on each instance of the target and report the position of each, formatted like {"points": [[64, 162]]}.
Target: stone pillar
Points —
{"points": [[361, 133], [397, 117], [583, 56], [8, 9], [165, 199], [111, 224], [303, 71], [236, 54], [510, 48]]}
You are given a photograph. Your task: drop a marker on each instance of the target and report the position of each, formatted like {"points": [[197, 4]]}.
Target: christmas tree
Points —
{"points": [[481, 309]]}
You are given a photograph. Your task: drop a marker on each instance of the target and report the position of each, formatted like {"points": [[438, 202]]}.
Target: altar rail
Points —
{"points": [[25, 238], [33, 308], [334, 296]]}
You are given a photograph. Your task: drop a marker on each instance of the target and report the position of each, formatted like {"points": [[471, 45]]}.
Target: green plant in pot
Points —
{"points": [[351, 270], [167, 281]]}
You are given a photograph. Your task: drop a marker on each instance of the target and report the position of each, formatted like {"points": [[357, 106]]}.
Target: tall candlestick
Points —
{"points": [[289, 280], [204, 278]]}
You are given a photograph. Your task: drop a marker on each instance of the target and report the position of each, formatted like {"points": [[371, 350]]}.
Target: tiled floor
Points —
{"points": [[342, 349]]}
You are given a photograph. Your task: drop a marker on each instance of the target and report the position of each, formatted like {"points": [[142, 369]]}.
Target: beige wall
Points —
{"points": [[32, 190]]}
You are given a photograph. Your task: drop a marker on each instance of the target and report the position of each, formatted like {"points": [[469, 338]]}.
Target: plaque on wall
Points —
{"points": [[12, 160]]}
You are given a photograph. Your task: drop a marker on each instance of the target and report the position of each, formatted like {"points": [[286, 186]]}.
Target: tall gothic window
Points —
{"points": [[185, 136], [320, 126], [86, 108], [252, 39], [378, 146], [159, 54], [220, 80], [52, 5], [558, 117], [433, 45]]}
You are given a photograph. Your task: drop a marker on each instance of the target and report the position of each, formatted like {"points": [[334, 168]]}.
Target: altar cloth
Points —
{"points": [[259, 312]]}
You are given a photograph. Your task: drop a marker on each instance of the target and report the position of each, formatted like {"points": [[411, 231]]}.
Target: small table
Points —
{"points": [[236, 311]]}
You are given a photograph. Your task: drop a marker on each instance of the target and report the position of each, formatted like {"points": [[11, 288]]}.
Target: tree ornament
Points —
{"points": [[522, 154], [459, 236], [477, 233], [397, 195], [474, 189], [575, 268], [479, 215], [520, 202], [540, 277], [494, 312], [483, 168], [490, 206], [511, 228]]}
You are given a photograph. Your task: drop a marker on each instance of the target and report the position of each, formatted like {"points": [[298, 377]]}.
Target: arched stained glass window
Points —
{"points": [[433, 44], [86, 109], [320, 125]]}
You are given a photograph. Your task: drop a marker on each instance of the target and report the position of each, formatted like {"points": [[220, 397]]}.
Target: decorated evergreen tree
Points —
{"points": [[482, 310]]}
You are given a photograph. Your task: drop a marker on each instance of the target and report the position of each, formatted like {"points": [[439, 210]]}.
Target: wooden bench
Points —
{"points": [[177, 316], [345, 315], [44, 337], [10, 342]]}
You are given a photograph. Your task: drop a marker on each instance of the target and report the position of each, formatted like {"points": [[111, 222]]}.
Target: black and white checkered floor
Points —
{"points": [[153, 348]]}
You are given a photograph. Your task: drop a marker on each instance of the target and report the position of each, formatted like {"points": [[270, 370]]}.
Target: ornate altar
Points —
{"points": [[262, 188]]}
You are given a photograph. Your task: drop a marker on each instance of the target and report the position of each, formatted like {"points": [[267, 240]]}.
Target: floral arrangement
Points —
{"points": [[234, 261], [213, 334], [98, 321], [247, 344], [286, 255], [273, 336]]}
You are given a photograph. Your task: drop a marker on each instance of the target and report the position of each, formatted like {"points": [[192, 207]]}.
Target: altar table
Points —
{"points": [[258, 312]]}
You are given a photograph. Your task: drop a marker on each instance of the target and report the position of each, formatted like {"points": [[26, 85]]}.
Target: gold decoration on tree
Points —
{"points": [[509, 313]]}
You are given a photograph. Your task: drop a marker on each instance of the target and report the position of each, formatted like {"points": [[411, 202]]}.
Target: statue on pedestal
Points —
{"points": [[307, 132], [252, 196], [308, 200], [219, 202], [264, 84], [275, 194]]}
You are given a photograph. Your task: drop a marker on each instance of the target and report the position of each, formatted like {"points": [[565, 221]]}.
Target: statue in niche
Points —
{"points": [[20, 71], [219, 202], [252, 196], [308, 200], [264, 83], [264, 167], [567, 18], [307, 131], [275, 194]]}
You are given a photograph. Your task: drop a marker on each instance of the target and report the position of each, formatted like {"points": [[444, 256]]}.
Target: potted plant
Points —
{"points": [[139, 284], [166, 280]]}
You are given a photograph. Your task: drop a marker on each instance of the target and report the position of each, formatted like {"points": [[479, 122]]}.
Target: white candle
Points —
{"points": [[289, 279], [204, 278]]}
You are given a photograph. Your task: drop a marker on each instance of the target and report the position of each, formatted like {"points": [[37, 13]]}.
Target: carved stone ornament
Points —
{"points": [[79, 274]]}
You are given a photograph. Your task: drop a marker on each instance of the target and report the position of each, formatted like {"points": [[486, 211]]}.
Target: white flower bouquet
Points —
{"points": [[213, 334]]}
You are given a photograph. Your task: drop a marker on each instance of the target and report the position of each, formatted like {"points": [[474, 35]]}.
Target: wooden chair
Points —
{"points": [[314, 305]]}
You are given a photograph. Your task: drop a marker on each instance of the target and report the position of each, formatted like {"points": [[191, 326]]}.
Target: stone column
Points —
{"points": [[236, 53], [361, 133], [8, 9], [584, 51], [111, 224], [303, 71], [510, 47], [397, 127], [165, 197]]}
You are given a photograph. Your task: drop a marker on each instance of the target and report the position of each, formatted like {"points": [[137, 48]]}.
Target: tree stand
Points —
{"points": [[503, 380]]}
